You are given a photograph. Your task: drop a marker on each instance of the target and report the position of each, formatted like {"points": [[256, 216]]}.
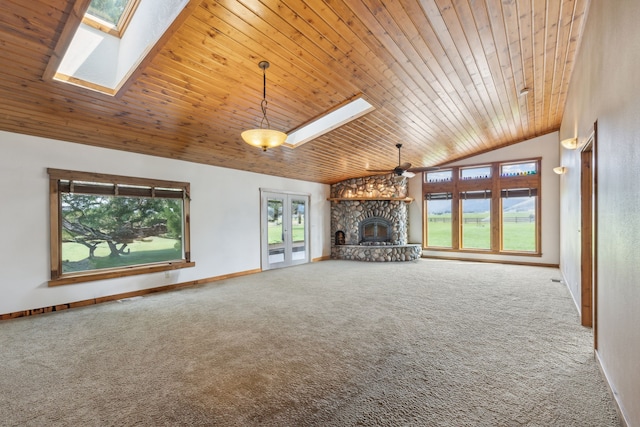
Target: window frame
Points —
{"points": [[533, 192], [106, 27], [438, 197], [56, 179], [496, 184]]}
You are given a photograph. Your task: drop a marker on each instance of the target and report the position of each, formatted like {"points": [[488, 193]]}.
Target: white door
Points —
{"points": [[285, 230]]}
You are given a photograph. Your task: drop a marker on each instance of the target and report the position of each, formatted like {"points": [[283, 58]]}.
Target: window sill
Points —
{"points": [[71, 279]]}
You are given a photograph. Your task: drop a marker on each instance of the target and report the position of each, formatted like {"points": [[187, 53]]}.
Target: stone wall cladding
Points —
{"points": [[370, 186], [377, 253], [346, 216]]}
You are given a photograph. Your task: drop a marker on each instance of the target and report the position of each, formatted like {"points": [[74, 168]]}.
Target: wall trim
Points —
{"points": [[140, 292], [623, 419], [322, 258]]}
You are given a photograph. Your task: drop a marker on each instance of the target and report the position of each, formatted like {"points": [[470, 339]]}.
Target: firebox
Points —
{"points": [[375, 230]]}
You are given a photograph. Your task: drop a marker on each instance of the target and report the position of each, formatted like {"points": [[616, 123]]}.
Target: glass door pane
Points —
{"points": [[298, 230], [275, 229]]}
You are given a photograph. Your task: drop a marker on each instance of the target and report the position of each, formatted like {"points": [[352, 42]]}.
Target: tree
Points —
{"points": [[91, 220], [108, 10]]}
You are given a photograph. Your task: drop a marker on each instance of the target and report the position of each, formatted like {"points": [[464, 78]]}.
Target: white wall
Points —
{"points": [[545, 146], [605, 88], [225, 218]]}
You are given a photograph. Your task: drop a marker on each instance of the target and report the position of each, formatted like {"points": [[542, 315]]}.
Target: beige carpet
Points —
{"points": [[335, 343]]}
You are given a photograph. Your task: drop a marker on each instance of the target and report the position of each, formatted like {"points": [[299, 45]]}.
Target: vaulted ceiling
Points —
{"points": [[444, 77]]}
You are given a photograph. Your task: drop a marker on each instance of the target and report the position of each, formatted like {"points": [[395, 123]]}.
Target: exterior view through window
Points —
{"points": [[490, 208], [110, 16], [519, 223], [106, 223], [275, 224], [476, 220], [115, 231]]}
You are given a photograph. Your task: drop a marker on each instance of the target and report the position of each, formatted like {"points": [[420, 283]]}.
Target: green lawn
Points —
{"points": [[153, 249], [275, 232], [476, 235], [517, 236]]}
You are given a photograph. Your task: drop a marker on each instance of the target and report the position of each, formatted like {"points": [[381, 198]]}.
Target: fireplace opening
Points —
{"points": [[375, 231]]}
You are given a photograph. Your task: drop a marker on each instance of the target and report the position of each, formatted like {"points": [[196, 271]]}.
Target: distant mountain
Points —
{"points": [[514, 204]]}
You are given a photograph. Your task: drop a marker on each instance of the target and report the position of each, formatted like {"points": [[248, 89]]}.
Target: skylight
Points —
{"points": [[110, 16], [352, 110], [100, 56]]}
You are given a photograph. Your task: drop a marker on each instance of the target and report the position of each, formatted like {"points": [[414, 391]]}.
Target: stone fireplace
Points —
{"points": [[369, 220]]}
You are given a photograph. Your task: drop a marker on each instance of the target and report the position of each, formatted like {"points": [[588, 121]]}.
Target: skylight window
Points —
{"points": [[352, 110], [110, 16], [99, 56]]}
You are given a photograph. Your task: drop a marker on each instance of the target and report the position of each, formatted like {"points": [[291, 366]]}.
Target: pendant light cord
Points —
{"points": [[263, 104]]}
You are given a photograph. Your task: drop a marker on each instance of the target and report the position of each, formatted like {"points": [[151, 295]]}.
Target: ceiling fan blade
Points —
{"points": [[404, 166], [423, 169], [408, 174]]}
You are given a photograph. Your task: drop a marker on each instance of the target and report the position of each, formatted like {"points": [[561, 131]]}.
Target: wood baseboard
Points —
{"points": [[322, 258], [141, 292]]}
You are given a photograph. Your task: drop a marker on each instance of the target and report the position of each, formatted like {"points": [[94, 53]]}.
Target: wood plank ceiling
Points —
{"points": [[444, 76]]}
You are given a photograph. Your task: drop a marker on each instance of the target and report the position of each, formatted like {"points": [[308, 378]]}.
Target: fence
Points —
{"points": [[516, 219]]}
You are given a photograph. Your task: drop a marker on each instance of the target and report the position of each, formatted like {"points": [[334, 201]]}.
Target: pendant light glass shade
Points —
{"points": [[264, 137]]}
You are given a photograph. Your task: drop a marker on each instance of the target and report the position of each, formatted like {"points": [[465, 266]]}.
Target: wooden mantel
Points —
{"points": [[364, 199]]}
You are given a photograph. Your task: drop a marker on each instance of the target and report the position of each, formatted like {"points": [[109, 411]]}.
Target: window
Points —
{"points": [[492, 208], [105, 226], [476, 219], [476, 172], [519, 210], [438, 229], [94, 51], [110, 16], [518, 169], [439, 176]]}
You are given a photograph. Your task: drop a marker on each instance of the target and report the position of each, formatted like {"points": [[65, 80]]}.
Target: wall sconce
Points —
{"points": [[570, 143], [560, 170]]}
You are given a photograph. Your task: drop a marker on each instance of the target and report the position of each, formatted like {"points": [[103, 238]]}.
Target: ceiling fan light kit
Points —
{"points": [[264, 137]]}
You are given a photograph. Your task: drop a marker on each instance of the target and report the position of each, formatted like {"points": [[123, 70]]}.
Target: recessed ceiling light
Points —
{"points": [[524, 91], [335, 118]]}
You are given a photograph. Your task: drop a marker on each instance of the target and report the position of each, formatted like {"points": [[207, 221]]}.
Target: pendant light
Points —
{"points": [[264, 137]]}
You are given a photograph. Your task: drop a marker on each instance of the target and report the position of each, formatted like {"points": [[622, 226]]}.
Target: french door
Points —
{"points": [[284, 228]]}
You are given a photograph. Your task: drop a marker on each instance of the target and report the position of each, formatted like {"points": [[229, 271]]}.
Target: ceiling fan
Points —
{"points": [[404, 169]]}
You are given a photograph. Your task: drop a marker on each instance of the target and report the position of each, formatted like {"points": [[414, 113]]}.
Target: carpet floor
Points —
{"points": [[334, 343]]}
